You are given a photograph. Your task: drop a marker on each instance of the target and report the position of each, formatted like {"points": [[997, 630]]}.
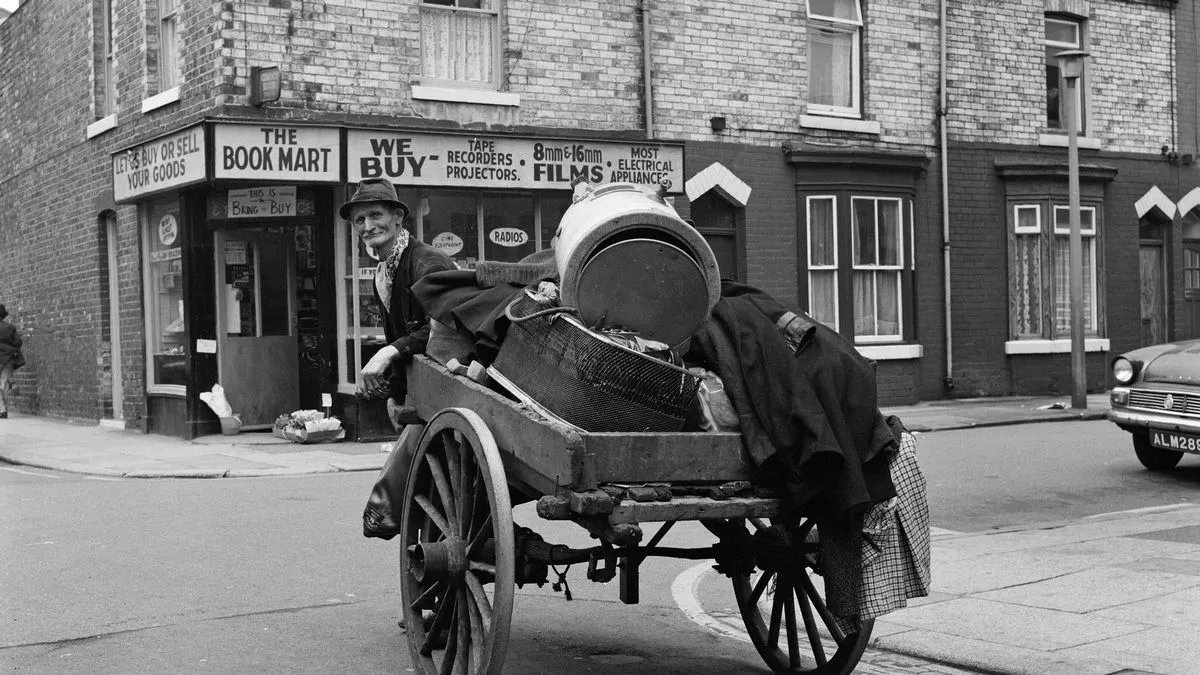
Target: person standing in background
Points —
{"points": [[10, 359]]}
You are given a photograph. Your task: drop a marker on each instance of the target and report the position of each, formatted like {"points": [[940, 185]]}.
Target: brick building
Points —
{"points": [[1008, 191], [170, 171]]}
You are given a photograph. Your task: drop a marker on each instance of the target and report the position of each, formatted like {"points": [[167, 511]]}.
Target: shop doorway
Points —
{"points": [[256, 323]]}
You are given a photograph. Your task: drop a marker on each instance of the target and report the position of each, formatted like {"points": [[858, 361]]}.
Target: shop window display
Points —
{"points": [[166, 329], [361, 324], [469, 226]]}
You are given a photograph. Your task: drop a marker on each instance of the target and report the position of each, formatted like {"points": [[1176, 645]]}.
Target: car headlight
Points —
{"points": [[1123, 370]]}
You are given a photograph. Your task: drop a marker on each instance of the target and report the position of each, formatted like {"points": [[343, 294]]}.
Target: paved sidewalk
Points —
{"points": [[102, 450], [1118, 593]]}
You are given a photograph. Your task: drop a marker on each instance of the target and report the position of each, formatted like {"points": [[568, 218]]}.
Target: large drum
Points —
{"points": [[626, 260]]}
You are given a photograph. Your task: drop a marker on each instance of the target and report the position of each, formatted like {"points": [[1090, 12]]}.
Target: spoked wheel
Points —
{"points": [[784, 611], [457, 552]]}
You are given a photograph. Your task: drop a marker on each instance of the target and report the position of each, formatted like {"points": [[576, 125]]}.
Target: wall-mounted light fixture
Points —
{"points": [[265, 84], [717, 124]]}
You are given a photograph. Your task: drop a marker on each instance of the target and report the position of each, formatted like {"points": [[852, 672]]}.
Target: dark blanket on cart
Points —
{"points": [[473, 301], [811, 415], [810, 421]]}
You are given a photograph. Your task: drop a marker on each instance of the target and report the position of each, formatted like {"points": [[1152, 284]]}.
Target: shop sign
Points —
{"points": [[503, 162], [508, 236], [166, 254], [235, 252], [168, 230], [269, 152], [167, 162], [263, 202], [448, 243]]}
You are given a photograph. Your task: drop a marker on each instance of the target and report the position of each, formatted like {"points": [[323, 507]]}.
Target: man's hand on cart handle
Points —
{"points": [[375, 373]]}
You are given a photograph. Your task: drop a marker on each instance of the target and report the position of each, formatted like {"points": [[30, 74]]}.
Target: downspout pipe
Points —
{"points": [[943, 99], [647, 83]]}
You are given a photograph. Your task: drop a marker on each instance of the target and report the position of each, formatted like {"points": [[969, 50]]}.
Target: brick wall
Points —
{"points": [[53, 185], [979, 265], [1187, 74], [997, 77], [579, 65]]}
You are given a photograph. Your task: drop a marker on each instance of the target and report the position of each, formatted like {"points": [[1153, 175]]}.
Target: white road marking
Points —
{"points": [[683, 589], [1145, 509], [28, 473]]}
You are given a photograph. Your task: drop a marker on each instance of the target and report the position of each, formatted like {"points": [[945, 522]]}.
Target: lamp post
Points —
{"points": [[1070, 65]]}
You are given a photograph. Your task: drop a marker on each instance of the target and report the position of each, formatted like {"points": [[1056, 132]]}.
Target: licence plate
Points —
{"points": [[1174, 441]]}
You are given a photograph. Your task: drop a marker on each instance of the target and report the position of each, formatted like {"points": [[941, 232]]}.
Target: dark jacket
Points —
{"points": [[809, 416], [10, 346], [406, 325]]}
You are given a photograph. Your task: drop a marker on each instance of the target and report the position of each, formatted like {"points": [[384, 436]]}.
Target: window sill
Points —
{"points": [[481, 96], [160, 99], [1053, 346], [102, 125], [173, 390], [840, 124], [891, 352], [1062, 141]]}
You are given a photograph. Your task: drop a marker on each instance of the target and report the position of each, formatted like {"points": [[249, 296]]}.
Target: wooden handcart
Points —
{"points": [[461, 557]]}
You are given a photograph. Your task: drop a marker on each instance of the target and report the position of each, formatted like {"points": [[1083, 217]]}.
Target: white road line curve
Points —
{"points": [[683, 589], [28, 473]]}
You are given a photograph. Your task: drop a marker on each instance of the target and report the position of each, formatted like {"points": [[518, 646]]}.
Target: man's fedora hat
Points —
{"points": [[373, 191]]}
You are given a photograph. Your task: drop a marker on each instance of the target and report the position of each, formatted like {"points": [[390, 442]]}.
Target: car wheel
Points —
{"points": [[1155, 459]]}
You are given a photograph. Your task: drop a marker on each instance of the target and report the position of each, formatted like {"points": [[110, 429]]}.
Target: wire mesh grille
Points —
{"points": [[589, 381]]}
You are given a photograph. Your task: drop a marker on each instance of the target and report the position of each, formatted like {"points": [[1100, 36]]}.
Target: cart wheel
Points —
{"points": [[770, 599], [457, 541]]}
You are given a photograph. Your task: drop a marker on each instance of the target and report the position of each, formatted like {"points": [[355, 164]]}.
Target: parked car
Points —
{"points": [[1157, 399]]}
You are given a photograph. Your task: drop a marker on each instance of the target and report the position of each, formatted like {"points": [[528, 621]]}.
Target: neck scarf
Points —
{"points": [[386, 271]]}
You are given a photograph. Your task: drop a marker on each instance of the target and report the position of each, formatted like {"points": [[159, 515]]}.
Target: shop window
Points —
{"points": [[1063, 33], [855, 254], [460, 43], [469, 226], [550, 209], [166, 326], [508, 227], [834, 57], [1039, 270]]}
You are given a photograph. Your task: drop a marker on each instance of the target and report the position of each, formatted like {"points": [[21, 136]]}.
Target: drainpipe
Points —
{"points": [[948, 380], [647, 85]]}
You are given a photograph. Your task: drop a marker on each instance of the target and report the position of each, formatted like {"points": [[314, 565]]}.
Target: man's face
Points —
{"points": [[376, 224]]}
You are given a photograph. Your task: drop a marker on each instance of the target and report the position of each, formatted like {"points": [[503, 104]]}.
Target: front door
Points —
{"points": [[256, 323], [1191, 290], [1154, 302]]}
